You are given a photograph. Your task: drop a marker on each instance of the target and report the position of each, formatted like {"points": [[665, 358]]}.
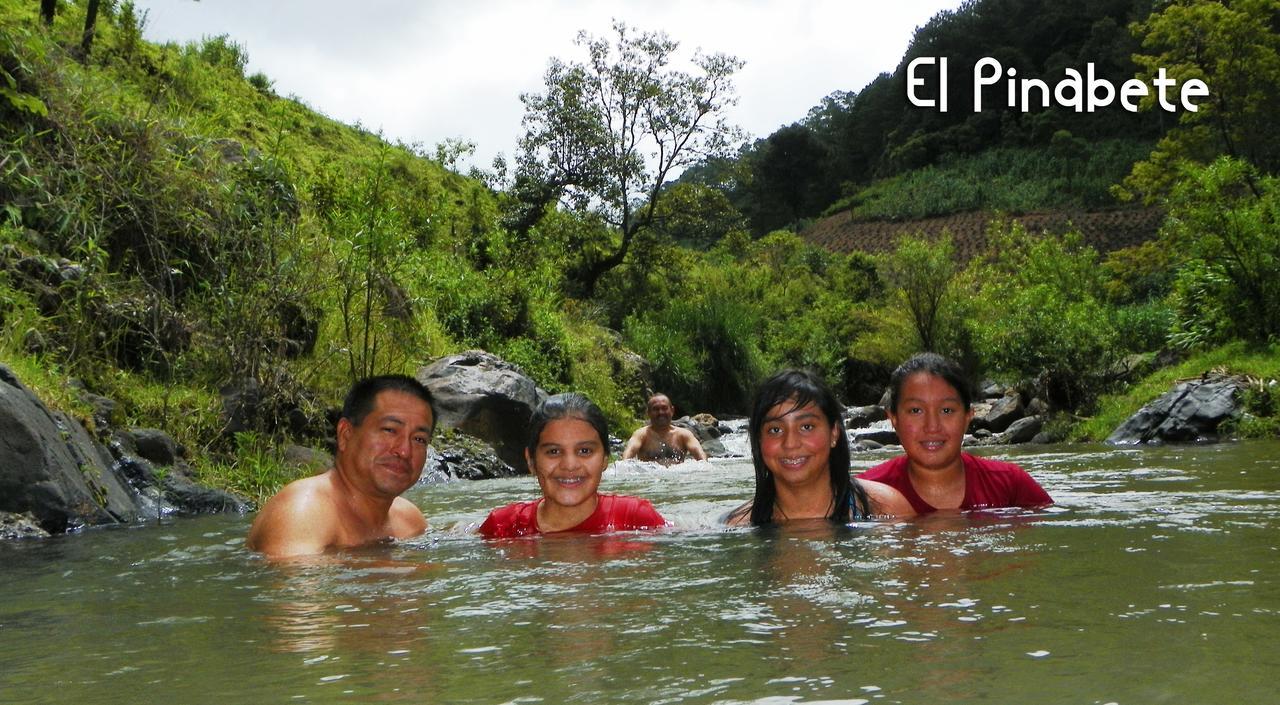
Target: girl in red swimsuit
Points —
{"points": [[568, 452]]}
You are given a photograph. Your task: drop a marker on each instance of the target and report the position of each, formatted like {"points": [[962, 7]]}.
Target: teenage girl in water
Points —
{"points": [[929, 406], [568, 452], [801, 458]]}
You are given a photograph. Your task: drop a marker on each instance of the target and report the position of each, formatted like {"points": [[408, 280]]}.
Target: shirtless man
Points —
{"points": [[383, 435], [661, 442]]}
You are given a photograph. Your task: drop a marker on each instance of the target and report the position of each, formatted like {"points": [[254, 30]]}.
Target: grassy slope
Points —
{"points": [[1235, 358], [194, 100]]}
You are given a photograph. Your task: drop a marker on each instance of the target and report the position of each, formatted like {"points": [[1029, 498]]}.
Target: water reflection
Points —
{"points": [[1156, 559], [338, 603]]}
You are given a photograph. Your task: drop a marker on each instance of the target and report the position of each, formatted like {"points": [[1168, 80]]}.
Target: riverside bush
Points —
{"points": [[1225, 220], [1040, 313]]}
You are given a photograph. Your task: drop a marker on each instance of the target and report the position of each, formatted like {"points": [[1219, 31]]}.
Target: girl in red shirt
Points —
{"points": [[930, 408], [568, 452]]}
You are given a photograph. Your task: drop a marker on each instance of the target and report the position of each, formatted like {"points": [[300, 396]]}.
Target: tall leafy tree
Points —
{"points": [[608, 132], [919, 271], [791, 178], [1234, 47], [1230, 285]]}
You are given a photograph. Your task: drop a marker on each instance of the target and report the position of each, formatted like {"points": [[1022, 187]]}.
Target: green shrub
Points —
{"points": [[222, 52], [1040, 313], [1143, 327], [704, 352], [1225, 219]]}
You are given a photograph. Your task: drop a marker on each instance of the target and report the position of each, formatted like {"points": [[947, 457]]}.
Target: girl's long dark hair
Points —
{"points": [[797, 388]]}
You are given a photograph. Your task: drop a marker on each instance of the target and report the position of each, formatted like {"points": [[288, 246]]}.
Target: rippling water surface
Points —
{"points": [[1152, 581]]}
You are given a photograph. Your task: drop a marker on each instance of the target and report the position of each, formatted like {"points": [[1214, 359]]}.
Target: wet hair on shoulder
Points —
{"points": [[569, 405], [796, 388], [933, 364]]}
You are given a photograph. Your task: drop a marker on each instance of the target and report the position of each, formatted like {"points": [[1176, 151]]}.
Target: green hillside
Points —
{"points": [[171, 226]]}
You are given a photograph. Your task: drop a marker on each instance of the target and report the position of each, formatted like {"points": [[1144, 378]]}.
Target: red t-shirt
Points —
{"points": [[613, 513], [987, 484]]}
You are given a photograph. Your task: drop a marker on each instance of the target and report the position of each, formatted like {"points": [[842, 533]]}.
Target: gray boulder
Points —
{"points": [[51, 466], [862, 416], [883, 436], [458, 457], [991, 389], [980, 409], [1004, 411], [1021, 431], [156, 445], [708, 429], [1191, 412], [20, 526], [186, 496], [1037, 407], [482, 395]]}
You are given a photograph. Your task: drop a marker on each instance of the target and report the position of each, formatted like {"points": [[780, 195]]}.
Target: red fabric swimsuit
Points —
{"points": [[613, 513], [987, 484]]}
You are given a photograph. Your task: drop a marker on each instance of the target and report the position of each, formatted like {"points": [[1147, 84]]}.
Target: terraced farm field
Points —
{"points": [[1103, 230]]}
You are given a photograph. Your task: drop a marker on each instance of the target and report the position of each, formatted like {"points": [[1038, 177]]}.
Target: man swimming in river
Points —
{"points": [[383, 436], [659, 441]]}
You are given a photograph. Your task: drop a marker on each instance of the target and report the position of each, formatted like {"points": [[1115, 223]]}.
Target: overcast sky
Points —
{"points": [[424, 71]]}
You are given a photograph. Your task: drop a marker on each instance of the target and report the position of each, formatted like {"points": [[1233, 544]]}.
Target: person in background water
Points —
{"points": [[801, 458], [568, 451], [659, 441], [383, 435], [929, 406]]}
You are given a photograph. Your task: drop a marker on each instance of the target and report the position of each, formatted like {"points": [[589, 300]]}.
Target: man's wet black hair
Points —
{"points": [[364, 393]]}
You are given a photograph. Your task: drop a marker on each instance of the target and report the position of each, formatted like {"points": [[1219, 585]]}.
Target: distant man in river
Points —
{"points": [[383, 435], [661, 442]]}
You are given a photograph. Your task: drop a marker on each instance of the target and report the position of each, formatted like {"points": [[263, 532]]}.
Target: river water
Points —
{"points": [[1152, 581]]}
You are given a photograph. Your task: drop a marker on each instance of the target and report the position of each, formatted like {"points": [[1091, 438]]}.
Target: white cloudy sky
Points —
{"points": [[429, 70]]}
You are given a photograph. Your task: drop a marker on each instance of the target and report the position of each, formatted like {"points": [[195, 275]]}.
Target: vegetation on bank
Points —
{"points": [[1259, 365], [170, 227]]}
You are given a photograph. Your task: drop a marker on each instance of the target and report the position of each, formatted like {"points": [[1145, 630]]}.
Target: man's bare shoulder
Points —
{"points": [[406, 519], [689, 443], [299, 519], [635, 443]]}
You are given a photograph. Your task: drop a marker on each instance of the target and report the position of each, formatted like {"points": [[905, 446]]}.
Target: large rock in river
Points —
{"points": [[1191, 412], [482, 395], [51, 467]]}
